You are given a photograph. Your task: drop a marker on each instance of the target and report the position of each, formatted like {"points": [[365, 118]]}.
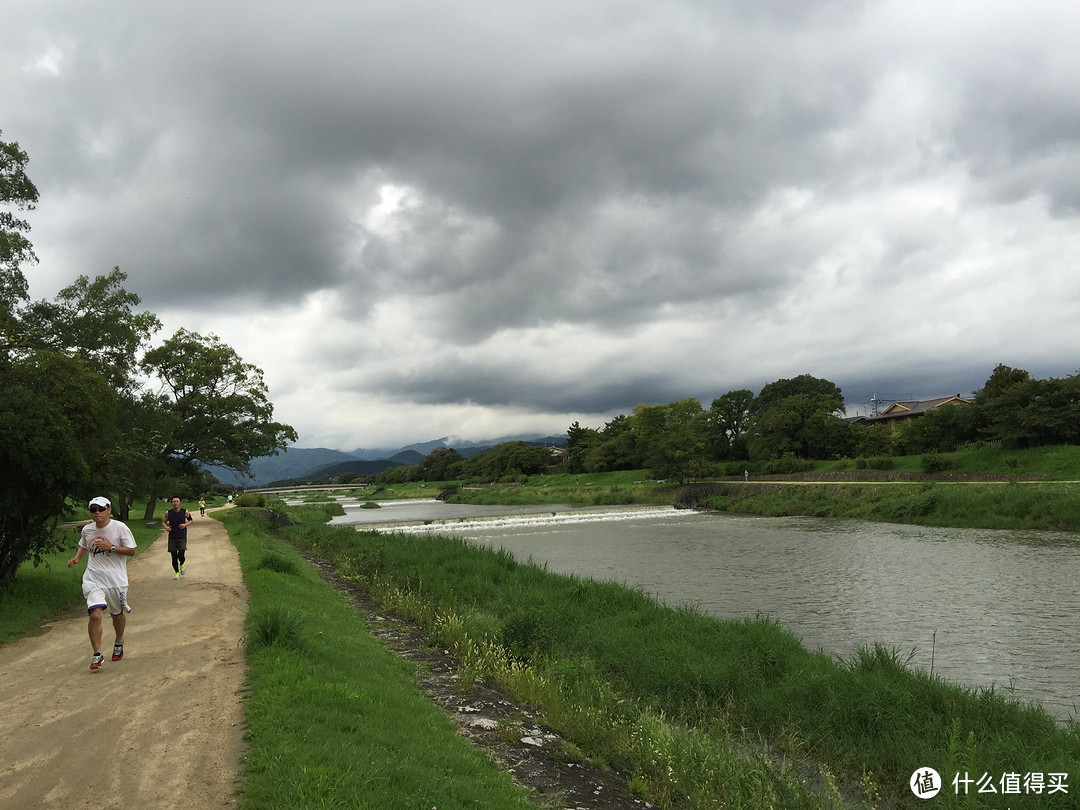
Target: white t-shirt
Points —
{"points": [[104, 569]]}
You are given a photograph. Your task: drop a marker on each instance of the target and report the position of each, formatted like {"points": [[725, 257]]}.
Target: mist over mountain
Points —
{"points": [[320, 462], [465, 447]]}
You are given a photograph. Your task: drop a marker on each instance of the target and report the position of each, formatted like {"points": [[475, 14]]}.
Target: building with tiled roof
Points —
{"points": [[911, 409]]}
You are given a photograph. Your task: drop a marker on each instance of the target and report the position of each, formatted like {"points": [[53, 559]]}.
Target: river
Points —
{"points": [[977, 607]]}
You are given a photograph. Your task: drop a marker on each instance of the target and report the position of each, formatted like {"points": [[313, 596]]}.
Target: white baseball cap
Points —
{"points": [[99, 501]]}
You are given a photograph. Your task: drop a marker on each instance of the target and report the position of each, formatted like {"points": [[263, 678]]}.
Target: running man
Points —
{"points": [[176, 521], [109, 544]]}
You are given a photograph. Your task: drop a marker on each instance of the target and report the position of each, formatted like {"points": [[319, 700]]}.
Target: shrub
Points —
{"points": [[274, 562], [933, 463], [252, 500], [878, 463], [613, 497], [788, 463], [275, 626]]}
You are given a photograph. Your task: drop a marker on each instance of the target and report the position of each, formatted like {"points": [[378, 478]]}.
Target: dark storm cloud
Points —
{"points": [[562, 208], [513, 386]]}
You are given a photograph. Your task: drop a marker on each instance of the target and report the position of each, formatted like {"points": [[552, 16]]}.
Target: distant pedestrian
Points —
{"points": [[177, 521], [104, 585], [746, 475], [202, 507], [230, 499]]}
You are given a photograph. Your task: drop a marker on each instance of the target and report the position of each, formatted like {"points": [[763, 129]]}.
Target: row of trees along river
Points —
{"points": [[782, 430]]}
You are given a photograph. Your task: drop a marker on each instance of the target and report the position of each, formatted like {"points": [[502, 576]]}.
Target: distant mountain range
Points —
{"points": [[320, 462]]}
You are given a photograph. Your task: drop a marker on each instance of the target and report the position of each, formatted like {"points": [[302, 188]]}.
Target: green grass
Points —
{"points": [[1027, 506], [1056, 463], [637, 735], [334, 718], [696, 711], [595, 489]]}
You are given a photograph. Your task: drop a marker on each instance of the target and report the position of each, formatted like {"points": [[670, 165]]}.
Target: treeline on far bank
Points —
{"points": [[790, 426]]}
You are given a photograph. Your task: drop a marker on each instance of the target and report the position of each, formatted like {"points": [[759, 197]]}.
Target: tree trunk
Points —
{"points": [[7, 574], [151, 504], [122, 507]]}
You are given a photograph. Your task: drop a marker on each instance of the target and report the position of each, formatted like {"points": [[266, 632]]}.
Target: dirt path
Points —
{"points": [[160, 729]]}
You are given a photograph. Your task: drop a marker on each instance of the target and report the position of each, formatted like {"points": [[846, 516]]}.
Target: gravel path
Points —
{"points": [[160, 729]]}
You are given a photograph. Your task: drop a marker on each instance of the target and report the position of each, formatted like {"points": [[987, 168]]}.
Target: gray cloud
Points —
{"points": [[423, 219]]}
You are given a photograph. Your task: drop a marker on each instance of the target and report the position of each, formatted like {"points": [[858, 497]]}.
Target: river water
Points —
{"points": [[977, 607]]}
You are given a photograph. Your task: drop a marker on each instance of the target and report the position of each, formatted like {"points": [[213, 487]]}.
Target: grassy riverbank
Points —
{"points": [[334, 718], [605, 489], [1052, 463], [1032, 506], [698, 712]]}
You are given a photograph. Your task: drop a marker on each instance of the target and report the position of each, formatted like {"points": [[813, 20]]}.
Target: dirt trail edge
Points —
{"points": [[163, 727]]}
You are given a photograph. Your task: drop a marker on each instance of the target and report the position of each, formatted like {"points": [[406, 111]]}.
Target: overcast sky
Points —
{"points": [[492, 217]]}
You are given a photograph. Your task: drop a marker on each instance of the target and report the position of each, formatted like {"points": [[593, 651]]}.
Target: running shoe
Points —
{"points": [[117, 651], [177, 576], [181, 570], [95, 662]]}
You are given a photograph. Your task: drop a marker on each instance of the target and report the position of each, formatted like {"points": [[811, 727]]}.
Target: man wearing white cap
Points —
{"points": [[109, 544]]}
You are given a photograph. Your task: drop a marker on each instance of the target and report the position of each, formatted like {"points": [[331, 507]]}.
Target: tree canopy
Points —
{"points": [[213, 408], [76, 420], [16, 189]]}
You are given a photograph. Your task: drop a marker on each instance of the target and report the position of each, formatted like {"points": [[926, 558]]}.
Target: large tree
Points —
{"points": [[616, 447], [57, 418], [801, 416], [73, 420], [672, 438], [507, 460], [1034, 413], [16, 189], [96, 320], [729, 417], [579, 442], [1001, 379], [214, 409], [804, 384], [42, 457], [441, 464]]}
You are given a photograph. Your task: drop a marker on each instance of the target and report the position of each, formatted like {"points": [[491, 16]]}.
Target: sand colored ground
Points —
{"points": [[160, 729]]}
